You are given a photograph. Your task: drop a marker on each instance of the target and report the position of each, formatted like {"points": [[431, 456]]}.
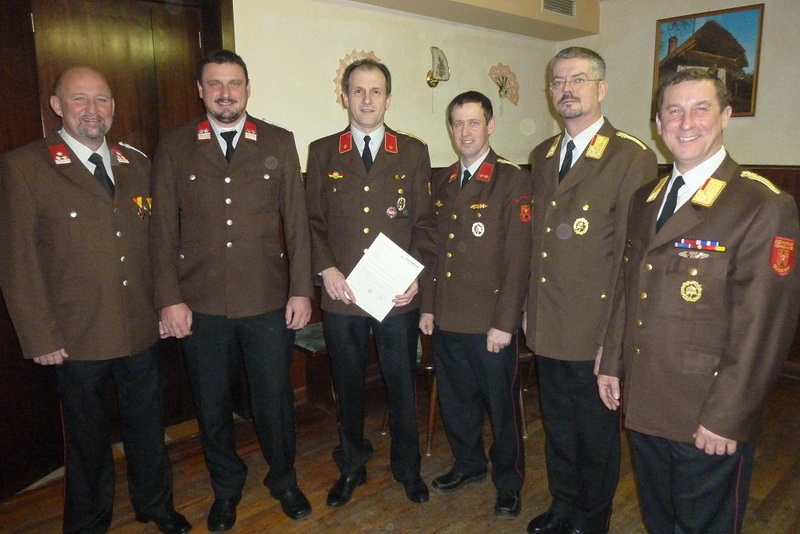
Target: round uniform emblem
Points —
{"points": [[478, 229], [691, 291], [401, 203], [580, 226], [391, 211]]}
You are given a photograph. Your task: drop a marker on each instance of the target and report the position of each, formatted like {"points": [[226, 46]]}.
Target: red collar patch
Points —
{"points": [[345, 142], [60, 154], [115, 150], [250, 131], [453, 173], [485, 172], [204, 131], [390, 143]]}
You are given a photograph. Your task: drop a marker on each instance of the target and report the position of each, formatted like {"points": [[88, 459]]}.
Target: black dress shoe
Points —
{"points": [[547, 523], [508, 504], [171, 523], [417, 491], [295, 505], [222, 515], [452, 481], [340, 493]]}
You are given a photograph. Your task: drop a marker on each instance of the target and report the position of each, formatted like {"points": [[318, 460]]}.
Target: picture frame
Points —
{"points": [[727, 41]]}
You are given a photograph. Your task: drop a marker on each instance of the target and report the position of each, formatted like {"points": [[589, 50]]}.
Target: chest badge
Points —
{"points": [[580, 226], [478, 229], [691, 291], [782, 255]]}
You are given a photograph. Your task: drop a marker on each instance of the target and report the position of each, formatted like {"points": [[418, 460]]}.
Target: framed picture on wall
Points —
{"points": [[727, 41]]}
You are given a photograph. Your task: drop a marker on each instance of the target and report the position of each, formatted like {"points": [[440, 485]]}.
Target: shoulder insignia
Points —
{"points": [[597, 146], [629, 137], [485, 172], [760, 179], [453, 173], [708, 192], [130, 147], [554, 146], [657, 189], [390, 143], [250, 131], [412, 136], [345, 142], [120, 157], [501, 160], [203, 131], [60, 154]]}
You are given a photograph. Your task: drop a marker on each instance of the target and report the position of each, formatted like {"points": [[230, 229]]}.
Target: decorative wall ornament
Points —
{"points": [[506, 80], [440, 70], [343, 63]]}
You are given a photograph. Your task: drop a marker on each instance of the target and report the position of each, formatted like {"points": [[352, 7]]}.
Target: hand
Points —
{"points": [[497, 340], [711, 443], [405, 298], [426, 323], [298, 312], [176, 320], [608, 388], [54, 358], [336, 286], [597, 358]]}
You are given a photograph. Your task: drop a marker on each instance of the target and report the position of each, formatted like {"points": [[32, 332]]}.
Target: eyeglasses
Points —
{"points": [[577, 83]]}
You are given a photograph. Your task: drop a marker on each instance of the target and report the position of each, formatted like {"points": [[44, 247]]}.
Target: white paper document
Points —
{"points": [[385, 271]]}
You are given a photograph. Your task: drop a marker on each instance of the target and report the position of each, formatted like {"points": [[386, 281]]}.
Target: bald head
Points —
{"points": [[83, 100]]}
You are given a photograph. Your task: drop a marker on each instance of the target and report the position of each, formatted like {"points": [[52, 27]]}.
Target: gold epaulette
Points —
{"points": [[629, 137], [554, 146], [501, 160], [760, 179], [412, 136]]}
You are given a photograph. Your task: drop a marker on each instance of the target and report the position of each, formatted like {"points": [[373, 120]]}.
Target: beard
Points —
{"points": [[93, 132], [572, 109]]}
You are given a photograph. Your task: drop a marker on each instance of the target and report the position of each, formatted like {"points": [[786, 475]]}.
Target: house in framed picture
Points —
{"points": [[723, 42]]}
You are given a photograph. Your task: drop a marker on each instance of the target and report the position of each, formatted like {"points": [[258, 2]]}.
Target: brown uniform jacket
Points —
{"points": [[578, 238], [74, 267], [483, 255], [216, 227], [700, 334], [348, 207]]}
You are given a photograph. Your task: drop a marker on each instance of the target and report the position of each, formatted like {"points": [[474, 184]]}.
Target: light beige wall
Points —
{"points": [[292, 49], [627, 40]]}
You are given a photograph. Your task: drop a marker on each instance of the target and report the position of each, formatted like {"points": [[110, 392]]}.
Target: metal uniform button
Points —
{"points": [[544, 254], [448, 274], [451, 236], [453, 216], [400, 191], [228, 201], [547, 230], [496, 291], [449, 254], [643, 295], [366, 230], [119, 233], [638, 350], [553, 203], [585, 207], [366, 188], [693, 272], [543, 279], [639, 323], [192, 177], [649, 267], [229, 222], [266, 176], [366, 209], [603, 297], [73, 214], [181, 256], [122, 258], [282, 254], [227, 179], [230, 244], [125, 283]]}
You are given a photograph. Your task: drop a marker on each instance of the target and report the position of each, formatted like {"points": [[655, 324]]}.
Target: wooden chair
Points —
{"points": [[426, 367]]}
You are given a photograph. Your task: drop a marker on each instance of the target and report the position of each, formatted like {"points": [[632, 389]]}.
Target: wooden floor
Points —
{"points": [[381, 506]]}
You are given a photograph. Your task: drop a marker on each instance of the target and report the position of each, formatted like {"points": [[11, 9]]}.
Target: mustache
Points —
{"points": [[225, 100], [567, 96]]}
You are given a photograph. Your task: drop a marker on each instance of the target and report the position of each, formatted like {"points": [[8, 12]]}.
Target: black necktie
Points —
{"points": [[567, 163], [101, 174], [366, 155], [465, 178], [671, 202], [228, 136]]}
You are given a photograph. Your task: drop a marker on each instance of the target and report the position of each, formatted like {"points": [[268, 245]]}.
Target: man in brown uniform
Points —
{"points": [[704, 314], [483, 210], [224, 183], [363, 181], [583, 180], [76, 277]]}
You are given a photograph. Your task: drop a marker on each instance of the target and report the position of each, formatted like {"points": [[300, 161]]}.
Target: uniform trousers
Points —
{"points": [[347, 339], [582, 443], [683, 490], [212, 360], [83, 388], [471, 379]]}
